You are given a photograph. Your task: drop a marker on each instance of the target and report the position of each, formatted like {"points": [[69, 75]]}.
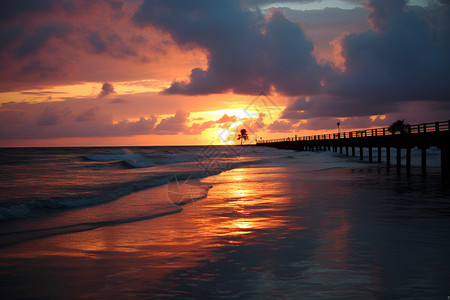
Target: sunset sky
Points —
{"points": [[177, 72]]}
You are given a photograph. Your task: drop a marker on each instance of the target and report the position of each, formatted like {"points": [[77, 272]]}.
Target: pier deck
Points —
{"points": [[422, 136]]}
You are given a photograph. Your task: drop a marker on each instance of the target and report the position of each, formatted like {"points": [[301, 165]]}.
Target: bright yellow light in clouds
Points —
{"points": [[228, 135], [225, 135], [381, 117], [57, 93], [142, 86], [239, 113], [92, 89], [86, 89]]}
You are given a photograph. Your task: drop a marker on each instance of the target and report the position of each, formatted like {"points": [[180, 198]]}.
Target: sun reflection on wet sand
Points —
{"points": [[254, 236], [235, 213]]}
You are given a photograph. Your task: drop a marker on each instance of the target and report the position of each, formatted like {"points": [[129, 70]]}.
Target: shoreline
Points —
{"points": [[284, 229]]}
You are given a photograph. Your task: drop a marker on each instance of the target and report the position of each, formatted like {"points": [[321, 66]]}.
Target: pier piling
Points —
{"points": [[408, 158], [379, 154], [399, 157], [388, 155], [422, 136], [423, 159]]}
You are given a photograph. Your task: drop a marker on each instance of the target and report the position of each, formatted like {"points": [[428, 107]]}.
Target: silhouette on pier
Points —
{"points": [[423, 136]]}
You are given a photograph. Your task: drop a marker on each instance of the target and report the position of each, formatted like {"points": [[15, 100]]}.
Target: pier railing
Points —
{"points": [[384, 131]]}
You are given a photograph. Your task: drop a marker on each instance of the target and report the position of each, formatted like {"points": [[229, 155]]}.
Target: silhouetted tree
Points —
{"points": [[243, 135], [399, 126]]}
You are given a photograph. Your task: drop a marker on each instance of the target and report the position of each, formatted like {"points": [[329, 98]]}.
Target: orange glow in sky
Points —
{"points": [[123, 75]]}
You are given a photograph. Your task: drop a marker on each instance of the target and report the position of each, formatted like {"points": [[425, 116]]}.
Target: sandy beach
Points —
{"points": [[272, 231]]}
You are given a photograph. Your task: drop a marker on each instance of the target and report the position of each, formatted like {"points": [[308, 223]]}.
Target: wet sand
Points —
{"points": [[266, 232]]}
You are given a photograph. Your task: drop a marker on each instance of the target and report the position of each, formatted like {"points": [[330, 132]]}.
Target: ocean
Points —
{"points": [[220, 222], [36, 179]]}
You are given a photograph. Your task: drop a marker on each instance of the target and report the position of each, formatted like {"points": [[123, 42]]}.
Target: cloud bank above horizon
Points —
{"points": [[365, 66]]}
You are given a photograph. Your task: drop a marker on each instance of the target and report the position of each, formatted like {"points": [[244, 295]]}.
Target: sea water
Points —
{"points": [[36, 179], [47, 191], [217, 222]]}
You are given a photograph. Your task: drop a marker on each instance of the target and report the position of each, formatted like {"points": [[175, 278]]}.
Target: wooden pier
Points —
{"points": [[423, 136]]}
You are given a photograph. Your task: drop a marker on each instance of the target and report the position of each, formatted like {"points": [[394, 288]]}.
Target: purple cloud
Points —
{"points": [[10, 9], [247, 52], [89, 115], [107, 89], [406, 60], [280, 126], [173, 125], [50, 116], [41, 36]]}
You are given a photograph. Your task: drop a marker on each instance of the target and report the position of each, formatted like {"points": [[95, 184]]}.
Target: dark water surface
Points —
{"points": [[302, 226]]}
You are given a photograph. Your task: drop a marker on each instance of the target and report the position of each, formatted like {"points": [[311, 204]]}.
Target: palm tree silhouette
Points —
{"points": [[243, 135]]}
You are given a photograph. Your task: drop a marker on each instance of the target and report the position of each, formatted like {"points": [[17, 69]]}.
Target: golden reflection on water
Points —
{"points": [[243, 208], [232, 209]]}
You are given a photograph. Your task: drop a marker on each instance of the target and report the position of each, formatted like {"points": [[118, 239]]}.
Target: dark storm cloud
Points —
{"points": [[115, 5], [9, 34], [247, 52], [41, 35], [333, 106], [406, 60], [258, 3], [97, 43], [383, 11], [401, 58], [10, 9], [19, 43], [41, 68], [109, 43]]}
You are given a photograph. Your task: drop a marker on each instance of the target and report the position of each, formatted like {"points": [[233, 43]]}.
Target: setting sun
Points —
{"points": [[224, 149]]}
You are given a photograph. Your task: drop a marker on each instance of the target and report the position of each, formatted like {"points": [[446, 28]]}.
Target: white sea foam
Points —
{"points": [[100, 177], [141, 160], [56, 183]]}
